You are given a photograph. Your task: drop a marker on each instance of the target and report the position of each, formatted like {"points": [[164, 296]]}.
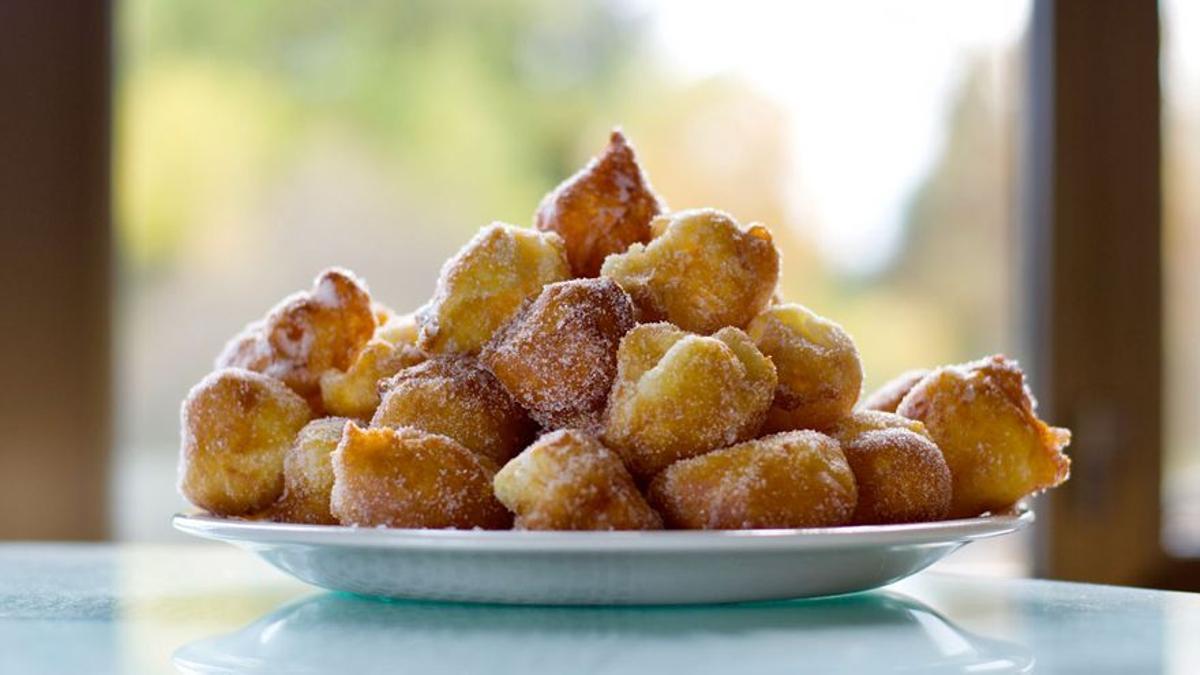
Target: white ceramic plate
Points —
{"points": [[601, 568]]}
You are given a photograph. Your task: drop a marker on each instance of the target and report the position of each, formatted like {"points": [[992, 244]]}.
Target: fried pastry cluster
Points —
{"points": [[307, 334], [615, 367], [702, 271], [568, 480], [404, 477], [601, 210], [308, 474], [678, 395], [820, 375], [558, 357], [981, 415], [456, 397], [789, 479], [486, 283]]}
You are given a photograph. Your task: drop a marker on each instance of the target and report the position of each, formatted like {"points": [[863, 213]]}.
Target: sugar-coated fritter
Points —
{"points": [[568, 480], [789, 479], [982, 418], [862, 421], [383, 313], [887, 397], [456, 397], [401, 330], [237, 425], [308, 474], [602, 209], [702, 271], [820, 374], [558, 357], [484, 285], [307, 334], [900, 473], [677, 395], [402, 477], [355, 391], [247, 350]]}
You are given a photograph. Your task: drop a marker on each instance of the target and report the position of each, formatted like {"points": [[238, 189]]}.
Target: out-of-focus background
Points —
{"points": [[908, 157]]}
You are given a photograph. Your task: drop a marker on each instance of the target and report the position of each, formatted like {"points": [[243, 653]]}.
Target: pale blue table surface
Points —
{"points": [[148, 609]]}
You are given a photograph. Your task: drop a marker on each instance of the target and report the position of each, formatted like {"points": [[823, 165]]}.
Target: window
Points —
{"points": [[258, 143], [1181, 233]]}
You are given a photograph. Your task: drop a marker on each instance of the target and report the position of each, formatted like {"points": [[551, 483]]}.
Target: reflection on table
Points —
{"points": [[863, 633]]}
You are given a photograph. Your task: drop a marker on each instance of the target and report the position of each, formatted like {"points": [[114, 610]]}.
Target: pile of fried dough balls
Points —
{"points": [[616, 367]]}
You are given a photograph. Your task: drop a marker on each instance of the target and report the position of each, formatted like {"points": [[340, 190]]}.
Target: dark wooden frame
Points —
{"points": [[55, 254], [1093, 215]]}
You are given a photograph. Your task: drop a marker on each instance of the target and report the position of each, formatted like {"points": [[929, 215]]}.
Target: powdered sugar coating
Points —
{"points": [[558, 357], [308, 474], [355, 391], [982, 418], [677, 395], [403, 477], [568, 480], [702, 271], [456, 397], [820, 374], [486, 283], [862, 421], [887, 397], [399, 329], [602, 209], [383, 313], [790, 479], [248, 349], [236, 425], [307, 334], [900, 473]]}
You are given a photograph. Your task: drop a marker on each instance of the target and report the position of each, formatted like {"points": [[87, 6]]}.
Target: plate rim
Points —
{"points": [[260, 533]]}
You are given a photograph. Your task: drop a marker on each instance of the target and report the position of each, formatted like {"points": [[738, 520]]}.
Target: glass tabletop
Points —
{"points": [[206, 609]]}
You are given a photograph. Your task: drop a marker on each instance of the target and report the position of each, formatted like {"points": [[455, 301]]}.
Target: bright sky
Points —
{"points": [[866, 85], [1181, 19]]}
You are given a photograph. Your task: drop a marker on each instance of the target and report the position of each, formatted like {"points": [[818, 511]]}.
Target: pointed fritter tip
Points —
{"points": [[601, 209]]}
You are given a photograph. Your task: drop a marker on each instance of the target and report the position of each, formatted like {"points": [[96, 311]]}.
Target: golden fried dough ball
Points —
{"points": [[567, 480], [677, 395], [887, 398], [485, 283], [400, 330], [702, 271], [901, 475], [308, 474], [820, 375], [982, 417], [247, 350], [558, 357], [237, 426], [602, 209], [402, 477], [456, 397], [306, 334], [355, 392], [790, 479], [862, 421]]}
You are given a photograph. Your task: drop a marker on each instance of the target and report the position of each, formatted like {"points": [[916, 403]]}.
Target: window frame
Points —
{"points": [[1092, 206], [56, 254]]}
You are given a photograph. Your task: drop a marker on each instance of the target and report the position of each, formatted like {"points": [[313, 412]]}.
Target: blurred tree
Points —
{"points": [[463, 98], [959, 251]]}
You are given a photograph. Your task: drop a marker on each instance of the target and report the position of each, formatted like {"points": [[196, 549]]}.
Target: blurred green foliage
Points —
{"points": [[475, 103]]}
